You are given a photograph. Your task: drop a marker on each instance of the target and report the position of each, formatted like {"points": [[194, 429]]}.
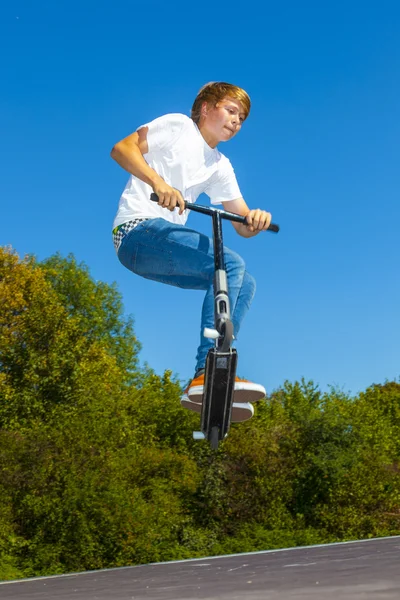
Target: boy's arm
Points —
{"points": [[257, 219], [128, 153]]}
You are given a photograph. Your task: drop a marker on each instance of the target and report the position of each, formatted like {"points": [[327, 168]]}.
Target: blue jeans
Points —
{"points": [[174, 254]]}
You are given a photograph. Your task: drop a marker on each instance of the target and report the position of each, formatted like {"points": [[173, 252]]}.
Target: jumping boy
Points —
{"points": [[177, 158]]}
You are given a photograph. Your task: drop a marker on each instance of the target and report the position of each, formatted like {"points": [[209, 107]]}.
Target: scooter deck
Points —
{"points": [[219, 384]]}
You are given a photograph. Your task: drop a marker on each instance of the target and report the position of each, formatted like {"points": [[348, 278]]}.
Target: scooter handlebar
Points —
{"points": [[223, 213]]}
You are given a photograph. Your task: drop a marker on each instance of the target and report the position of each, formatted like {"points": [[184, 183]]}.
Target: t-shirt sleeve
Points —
{"points": [[223, 185], [164, 130]]}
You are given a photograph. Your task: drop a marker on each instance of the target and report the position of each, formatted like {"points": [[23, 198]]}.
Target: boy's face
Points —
{"points": [[223, 121]]}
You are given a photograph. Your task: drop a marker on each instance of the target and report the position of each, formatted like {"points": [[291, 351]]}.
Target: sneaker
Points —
{"points": [[241, 411], [245, 391]]}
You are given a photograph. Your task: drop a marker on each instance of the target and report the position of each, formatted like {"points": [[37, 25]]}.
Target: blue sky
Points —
{"points": [[320, 150]]}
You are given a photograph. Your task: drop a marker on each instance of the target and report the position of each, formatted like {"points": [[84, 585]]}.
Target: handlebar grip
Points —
{"points": [[154, 197]]}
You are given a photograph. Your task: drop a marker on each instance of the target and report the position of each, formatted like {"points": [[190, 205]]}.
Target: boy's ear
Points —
{"points": [[204, 109]]}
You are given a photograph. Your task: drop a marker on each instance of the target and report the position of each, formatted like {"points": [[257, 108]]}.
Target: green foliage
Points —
{"points": [[97, 461], [97, 309], [10, 543]]}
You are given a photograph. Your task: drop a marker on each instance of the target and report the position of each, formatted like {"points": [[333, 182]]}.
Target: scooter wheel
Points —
{"points": [[214, 437]]}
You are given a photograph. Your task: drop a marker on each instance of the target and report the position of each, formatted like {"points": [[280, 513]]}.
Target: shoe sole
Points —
{"points": [[241, 411], [244, 392]]}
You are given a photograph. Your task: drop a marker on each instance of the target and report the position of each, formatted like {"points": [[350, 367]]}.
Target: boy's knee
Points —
{"points": [[234, 261]]}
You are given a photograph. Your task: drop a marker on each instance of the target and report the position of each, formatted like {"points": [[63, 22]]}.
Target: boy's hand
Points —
{"points": [[168, 197], [258, 220]]}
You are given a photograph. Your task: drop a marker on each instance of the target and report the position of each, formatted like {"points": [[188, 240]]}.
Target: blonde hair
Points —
{"points": [[214, 92]]}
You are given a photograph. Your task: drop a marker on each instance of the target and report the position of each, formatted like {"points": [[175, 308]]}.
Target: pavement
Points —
{"points": [[364, 570]]}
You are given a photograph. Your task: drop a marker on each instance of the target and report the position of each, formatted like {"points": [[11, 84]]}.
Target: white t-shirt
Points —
{"points": [[181, 156]]}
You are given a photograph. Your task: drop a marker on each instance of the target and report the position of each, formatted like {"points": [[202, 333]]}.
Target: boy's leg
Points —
{"points": [[241, 288], [179, 256], [172, 254], [169, 253], [243, 301]]}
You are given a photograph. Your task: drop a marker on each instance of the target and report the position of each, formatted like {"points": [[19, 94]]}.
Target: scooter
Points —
{"points": [[221, 361]]}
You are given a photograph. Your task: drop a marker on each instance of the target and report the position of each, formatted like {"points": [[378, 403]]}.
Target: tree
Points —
{"points": [[91, 476], [97, 309]]}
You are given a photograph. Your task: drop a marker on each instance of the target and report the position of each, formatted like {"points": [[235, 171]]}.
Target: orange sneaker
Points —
{"points": [[245, 391], [242, 410]]}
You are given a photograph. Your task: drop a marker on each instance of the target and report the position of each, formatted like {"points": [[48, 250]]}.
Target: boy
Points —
{"points": [[177, 158]]}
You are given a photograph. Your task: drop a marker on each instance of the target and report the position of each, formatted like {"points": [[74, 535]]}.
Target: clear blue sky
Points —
{"points": [[320, 150]]}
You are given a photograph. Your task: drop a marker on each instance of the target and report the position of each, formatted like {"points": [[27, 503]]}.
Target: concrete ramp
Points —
{"points": [[365, 570]]}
